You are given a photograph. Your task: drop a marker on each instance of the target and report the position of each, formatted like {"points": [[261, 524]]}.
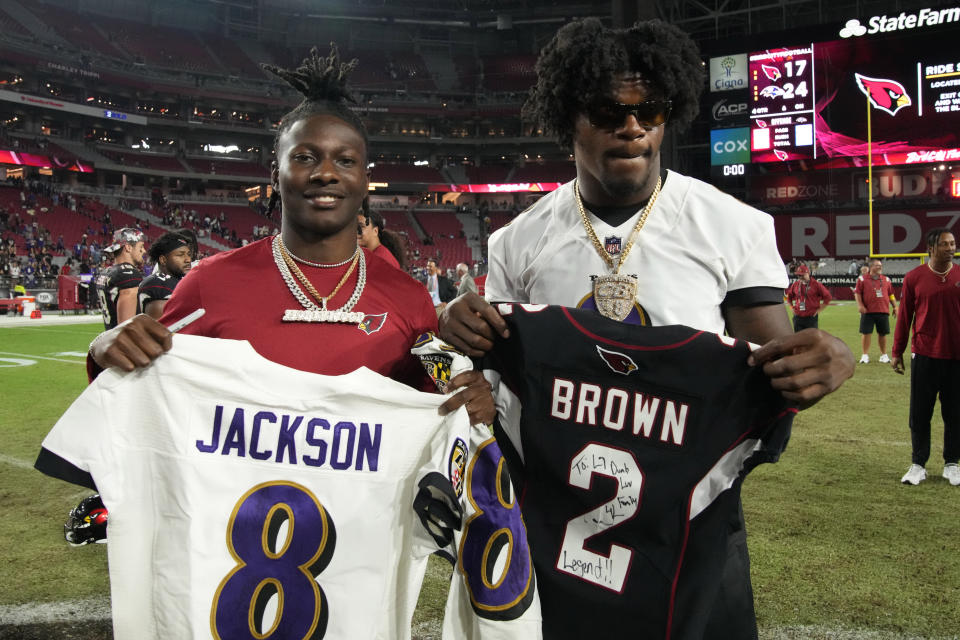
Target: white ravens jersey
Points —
{"points": [[493, 592], [248, 499], [697, 248]]}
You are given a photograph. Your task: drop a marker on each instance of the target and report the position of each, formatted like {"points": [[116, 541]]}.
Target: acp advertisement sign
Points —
{"points": [[729, 72], [730, 109]]}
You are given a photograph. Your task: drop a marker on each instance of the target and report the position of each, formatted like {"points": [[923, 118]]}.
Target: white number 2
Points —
{"points": [[609, 572]]}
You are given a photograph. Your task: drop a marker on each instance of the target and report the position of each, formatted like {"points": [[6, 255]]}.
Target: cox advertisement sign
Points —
{"points": [[730, 146]]}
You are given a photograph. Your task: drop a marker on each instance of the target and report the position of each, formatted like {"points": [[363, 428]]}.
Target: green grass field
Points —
{"points": [[840, 549]]}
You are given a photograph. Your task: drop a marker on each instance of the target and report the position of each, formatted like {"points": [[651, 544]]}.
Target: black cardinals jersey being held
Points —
{"points": [[628, 446]]}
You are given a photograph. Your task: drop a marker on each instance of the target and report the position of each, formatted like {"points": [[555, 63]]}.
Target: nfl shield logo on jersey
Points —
{"points": [[613, 245], [372, 323]]}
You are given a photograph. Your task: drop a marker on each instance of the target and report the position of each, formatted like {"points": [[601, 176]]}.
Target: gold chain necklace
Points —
{"points": [[308, 285], [633, 234], [615, 294], [942, 274]]}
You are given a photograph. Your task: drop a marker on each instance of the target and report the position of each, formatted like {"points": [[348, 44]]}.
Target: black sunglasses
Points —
{"points": [[610, 115]]}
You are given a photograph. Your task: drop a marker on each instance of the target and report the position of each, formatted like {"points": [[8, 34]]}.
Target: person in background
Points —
{"points": [[373, 236], [171, 255], [876, 302], [807, 296], [467, 285], [439, 286], [930, 303], [117, 285]]}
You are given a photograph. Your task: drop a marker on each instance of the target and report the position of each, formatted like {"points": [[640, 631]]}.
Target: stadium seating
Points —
{"points": [[406, 173], [238, 218], [234, 59], [509, 73], [75, 28], [10, 25], [60, 220], [446, 232], [160, 46], [145, 160], [545, 172], [488, 174], [227, 167], [498, 219]]}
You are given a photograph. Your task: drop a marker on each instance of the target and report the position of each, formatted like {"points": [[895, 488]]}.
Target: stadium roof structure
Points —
{"points": [[706, 19]]}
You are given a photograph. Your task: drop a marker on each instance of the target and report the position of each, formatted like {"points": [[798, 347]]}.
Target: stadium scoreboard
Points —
{"points": [[890, 93], [781, 99]]}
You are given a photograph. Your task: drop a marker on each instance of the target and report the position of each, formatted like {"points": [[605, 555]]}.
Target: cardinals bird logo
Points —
{"points": [[772, 91], [372, 323], [619, 362], [771, 72], [886, 95]]}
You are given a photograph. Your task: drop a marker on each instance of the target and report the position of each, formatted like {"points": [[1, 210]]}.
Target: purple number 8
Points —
{"points": [[495, 524], [268, 565]]}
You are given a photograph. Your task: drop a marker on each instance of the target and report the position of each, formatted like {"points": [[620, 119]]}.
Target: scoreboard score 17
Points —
{"points": [[782, 105]]}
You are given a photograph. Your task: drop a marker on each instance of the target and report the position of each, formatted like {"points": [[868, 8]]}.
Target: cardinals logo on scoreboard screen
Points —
{"points": [[618, 362], [773, 73], [884, 94]]}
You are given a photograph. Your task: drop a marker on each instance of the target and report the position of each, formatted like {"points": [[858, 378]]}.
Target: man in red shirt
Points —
{"points": [[807, 297], [874, 295], [930, 301]]}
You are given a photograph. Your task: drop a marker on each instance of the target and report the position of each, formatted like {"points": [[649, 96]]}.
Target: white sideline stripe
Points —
{"points": [[15, 462], [47, 320], [885, 443], [65, 611], [820, 632], [33, 357]]}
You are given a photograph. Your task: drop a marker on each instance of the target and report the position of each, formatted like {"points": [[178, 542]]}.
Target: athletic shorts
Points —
{"points": [[879, 320]]}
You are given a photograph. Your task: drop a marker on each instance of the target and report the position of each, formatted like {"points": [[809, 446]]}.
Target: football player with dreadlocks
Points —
{"points": [[296, 296], [314, 301], [643, 244]]}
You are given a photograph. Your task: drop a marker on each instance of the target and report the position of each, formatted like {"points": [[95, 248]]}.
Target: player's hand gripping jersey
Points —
{"points": [[628, 446], [476, 521], [234, 483]]}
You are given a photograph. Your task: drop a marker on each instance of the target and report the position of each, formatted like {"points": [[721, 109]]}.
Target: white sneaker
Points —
{"points": [[952, 473], [915, 475], [885, 358], [864, 359]]}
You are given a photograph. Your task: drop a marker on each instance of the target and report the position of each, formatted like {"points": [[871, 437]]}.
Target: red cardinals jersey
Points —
{"points": [[245, 298], [875, 293]]}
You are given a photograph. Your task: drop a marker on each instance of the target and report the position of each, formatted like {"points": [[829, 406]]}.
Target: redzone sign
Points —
{"points": [[848, 234]]}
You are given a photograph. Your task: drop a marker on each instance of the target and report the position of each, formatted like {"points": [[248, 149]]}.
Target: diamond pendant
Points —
{"points": [[615, 295], [322, 315]]}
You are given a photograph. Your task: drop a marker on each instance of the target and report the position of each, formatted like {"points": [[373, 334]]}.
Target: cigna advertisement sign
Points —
{"points": [[728, 72]]}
